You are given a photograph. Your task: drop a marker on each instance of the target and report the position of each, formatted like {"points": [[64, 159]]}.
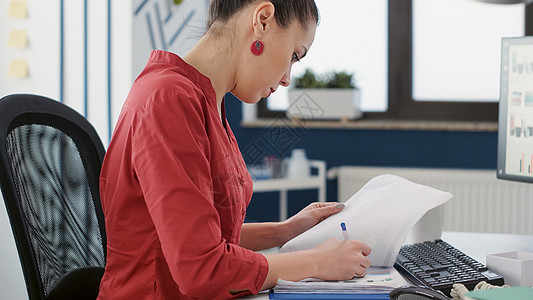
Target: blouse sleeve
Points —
{"points": [[171, 158]]}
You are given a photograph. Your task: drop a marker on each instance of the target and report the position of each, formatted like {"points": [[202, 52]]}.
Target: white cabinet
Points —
{"points": [[283, 185]]}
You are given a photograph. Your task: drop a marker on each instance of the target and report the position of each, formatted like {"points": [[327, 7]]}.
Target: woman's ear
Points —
{"points": [[262, 18]]}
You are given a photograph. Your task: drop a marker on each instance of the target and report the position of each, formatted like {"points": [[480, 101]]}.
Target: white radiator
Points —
{"points": [[481, 203]]}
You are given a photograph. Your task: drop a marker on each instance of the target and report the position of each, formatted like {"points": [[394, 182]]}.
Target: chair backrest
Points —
{"points": [[50, 161]]}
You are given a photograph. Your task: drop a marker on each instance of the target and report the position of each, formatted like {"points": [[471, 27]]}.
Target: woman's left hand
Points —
{"points": [[311, 215]]}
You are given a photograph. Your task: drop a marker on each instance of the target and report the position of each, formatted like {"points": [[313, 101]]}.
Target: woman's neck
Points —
{"points": [[213, 58]]}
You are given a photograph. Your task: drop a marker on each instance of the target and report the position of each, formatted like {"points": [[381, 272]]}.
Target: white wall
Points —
{"points": [[158, 24], [67, 55], [86, 54]]}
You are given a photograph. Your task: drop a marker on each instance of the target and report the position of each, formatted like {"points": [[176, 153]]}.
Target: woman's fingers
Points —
{"points": [[362, 274]]}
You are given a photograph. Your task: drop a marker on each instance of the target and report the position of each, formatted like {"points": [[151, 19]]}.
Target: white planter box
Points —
{"points": [[324, 104]]}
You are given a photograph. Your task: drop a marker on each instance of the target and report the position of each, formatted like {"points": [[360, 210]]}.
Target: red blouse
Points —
{"points": [[174, 190]]}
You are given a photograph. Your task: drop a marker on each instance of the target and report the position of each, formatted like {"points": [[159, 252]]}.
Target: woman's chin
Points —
{"points": [[252, 101], [249, 100]]}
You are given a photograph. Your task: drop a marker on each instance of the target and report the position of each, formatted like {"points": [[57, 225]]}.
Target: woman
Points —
{"points": [[174, 186]]}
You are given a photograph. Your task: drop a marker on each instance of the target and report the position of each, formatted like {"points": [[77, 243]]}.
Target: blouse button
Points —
{"points": [[241, 180]]}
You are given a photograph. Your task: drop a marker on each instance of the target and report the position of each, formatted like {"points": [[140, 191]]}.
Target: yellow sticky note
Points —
{"points": [[18, 68], [18, 39], [18, 9]]}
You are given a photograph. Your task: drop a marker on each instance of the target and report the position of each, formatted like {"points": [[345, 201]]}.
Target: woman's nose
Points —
{"points": [[285, 80]]}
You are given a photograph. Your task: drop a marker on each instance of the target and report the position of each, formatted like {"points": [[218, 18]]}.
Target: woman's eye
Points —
{"points": [[295, 57]]}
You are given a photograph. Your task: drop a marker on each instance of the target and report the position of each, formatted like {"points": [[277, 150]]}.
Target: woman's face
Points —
{"points": [[259, 76]]}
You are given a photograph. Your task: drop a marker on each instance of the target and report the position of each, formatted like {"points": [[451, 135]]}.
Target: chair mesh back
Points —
{"points": [[56, 201]]}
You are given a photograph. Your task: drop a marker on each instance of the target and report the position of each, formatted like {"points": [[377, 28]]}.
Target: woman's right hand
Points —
{"points": [[341, 260], [331, 260]]}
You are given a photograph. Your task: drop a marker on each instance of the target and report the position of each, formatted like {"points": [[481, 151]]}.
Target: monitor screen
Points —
{"points": [[515, 124]]}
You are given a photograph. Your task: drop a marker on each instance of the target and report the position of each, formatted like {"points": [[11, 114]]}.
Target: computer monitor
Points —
{"points": [[515, 124]]}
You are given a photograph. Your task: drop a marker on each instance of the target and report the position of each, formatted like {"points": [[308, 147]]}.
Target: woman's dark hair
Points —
{"points": [[285, 11]]}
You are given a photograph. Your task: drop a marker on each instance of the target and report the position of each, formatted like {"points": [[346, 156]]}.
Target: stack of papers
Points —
{"points": [[377, 281]]}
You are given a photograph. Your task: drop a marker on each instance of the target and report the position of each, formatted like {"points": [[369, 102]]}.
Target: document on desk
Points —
{"points": [[380, 214], [377, 281]]}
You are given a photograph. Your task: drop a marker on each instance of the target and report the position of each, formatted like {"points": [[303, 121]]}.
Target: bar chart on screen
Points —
{"points": [[522, 163], [526, 164]]}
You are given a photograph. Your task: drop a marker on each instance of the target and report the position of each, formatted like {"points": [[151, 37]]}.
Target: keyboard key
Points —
{"points": [[426, 268]]}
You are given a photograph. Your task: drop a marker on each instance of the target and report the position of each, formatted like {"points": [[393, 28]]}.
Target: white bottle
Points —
{"points": [[298, 165]]}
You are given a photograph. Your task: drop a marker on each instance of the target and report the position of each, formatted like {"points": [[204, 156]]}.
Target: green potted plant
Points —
{"points": [[328, 96]]}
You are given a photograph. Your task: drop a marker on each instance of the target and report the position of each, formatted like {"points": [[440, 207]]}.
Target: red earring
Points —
{"points": [[257, 47]]}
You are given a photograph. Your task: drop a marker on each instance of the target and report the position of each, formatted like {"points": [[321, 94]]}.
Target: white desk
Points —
{"points": [[282, 185], [476, 245]]}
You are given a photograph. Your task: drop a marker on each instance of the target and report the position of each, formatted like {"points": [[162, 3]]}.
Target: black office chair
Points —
{"points": [[50, 161]]}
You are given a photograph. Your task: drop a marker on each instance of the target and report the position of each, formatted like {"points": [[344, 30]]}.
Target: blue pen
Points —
{"points": [[344, 232]]}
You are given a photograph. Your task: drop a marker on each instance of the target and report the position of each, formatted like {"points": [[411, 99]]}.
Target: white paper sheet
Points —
{"points": [[380, 214]]}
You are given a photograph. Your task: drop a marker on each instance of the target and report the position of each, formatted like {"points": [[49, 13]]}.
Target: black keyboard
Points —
{"points": [[439, 265]]}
